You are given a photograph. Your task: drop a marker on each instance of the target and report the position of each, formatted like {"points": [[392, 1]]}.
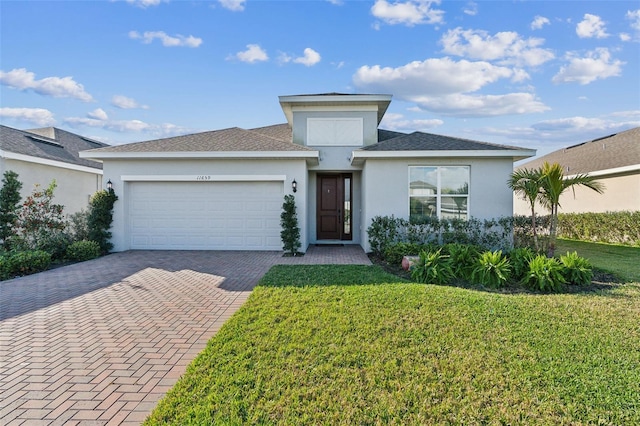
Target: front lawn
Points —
{"points": [[353, 345], [624, 261]]}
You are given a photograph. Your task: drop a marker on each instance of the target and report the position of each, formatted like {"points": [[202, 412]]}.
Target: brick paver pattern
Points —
{"points": [[100, 342]]}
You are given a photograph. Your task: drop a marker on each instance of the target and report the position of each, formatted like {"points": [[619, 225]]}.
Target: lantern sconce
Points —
{"points": [[294, 186], [109, 185]]}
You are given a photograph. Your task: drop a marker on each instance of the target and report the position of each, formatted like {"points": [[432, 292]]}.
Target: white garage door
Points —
{"points": [[205, 215]]}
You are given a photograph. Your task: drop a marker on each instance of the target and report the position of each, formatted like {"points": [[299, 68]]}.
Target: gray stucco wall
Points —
{"points": [[385, 188], [370, 123], [74, 188]]}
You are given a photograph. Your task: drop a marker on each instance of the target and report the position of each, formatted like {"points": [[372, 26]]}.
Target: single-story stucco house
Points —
{"points": [[614, 160], [224, 189], [42, 155]]}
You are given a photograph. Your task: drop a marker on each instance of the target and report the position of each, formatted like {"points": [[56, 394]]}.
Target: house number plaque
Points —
{"points": [[203, 177]]}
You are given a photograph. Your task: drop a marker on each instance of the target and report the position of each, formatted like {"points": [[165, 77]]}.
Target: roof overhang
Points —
{"points": [[356, 102], [311, 157], [614, 171], [358, 157], [47, 162]]}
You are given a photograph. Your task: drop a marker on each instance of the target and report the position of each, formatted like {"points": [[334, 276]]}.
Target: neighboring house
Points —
{"points": [[224, 189], [42, 155], [614, 160]]}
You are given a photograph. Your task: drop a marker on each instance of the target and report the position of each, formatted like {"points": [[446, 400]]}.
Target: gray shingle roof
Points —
{"points": [[419, 141], [278, 131], [610, 152], [232, 139], [64, 147]]}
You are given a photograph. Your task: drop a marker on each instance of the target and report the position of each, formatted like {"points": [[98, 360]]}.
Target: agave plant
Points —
{"points": [[492, 269]]}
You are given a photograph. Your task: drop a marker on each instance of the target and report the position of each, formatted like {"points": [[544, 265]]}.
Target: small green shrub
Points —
{"points": [[492, 269], [55, 243], [433, 267], [23, 263], [577, 270], [78, 225], [519, 259], [83, 250], [101, 217], [290, 234], [544, 274], [462, 258], [394, 253]]}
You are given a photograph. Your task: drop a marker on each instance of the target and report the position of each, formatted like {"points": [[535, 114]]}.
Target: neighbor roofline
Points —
{"points": [[47, 162], [612, 171], [519, 154]]}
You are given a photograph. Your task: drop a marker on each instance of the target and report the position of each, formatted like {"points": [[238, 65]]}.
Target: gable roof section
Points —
{"points": [[47, 144], [278, 131], [419, 144], [227, 143], [617, 152]]}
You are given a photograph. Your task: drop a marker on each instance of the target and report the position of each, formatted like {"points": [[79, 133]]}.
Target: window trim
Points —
{"points": [[438, 195]]}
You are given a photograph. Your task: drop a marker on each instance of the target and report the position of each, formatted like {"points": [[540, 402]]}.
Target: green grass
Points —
{"points": [[623, 261], [353, 345]]}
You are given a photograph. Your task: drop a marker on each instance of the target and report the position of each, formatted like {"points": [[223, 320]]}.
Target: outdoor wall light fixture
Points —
{"points": [[110, 185], [294, 186]]}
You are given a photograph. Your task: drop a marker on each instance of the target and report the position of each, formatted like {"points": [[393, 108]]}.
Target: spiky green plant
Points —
{"points": [[492, 269], [462, 258], [577, 270], [433, 267], [520, 258], [545, 274]]}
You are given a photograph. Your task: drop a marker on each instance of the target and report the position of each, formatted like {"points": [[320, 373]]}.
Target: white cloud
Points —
{"points": [[168, 41], [58, 87], [96, 120], [123, 102], [539, 22], [409, 12], [634, 17], [398, 123], [596, 65], [37, 116], [98, 114], [145, 3], [336, 2], [234, 5], [624, 37], [591, 26], [310, 58], [443, 86], [471, 9], [508, 47], [254, 53]]}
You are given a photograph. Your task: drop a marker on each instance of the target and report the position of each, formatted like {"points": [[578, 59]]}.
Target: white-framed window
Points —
{"points": [[438, 191], [345, 131]]}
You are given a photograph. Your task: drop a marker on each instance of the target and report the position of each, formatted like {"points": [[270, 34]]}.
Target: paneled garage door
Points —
{"points": [[205, 215]]}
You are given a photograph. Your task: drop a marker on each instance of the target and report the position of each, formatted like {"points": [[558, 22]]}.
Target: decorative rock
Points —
{"points": [[408, 262]]}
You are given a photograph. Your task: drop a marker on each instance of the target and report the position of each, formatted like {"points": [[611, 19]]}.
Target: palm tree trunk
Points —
{"points": [[533, 227], [553, 230]]}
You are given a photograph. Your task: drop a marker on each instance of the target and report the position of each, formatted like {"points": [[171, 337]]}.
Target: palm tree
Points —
{"points": [[552, 185], [526, 182]]}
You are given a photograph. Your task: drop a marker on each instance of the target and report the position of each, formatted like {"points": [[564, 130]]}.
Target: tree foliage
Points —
{"points": [[40, 219]]}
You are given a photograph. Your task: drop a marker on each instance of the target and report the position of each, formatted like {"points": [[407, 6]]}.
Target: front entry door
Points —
{"points": [[334, 207]]}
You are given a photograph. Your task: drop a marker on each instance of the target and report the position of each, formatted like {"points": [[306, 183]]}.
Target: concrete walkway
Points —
{"points": [[100, 342]]}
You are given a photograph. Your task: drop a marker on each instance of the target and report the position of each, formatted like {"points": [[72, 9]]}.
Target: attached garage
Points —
{"points": [[205, 215]]}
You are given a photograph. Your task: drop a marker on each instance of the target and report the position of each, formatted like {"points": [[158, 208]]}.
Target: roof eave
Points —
{"points": [[358, 157], [244, 155]]}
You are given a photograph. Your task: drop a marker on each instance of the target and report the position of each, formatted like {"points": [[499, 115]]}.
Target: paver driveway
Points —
{"points": [[100, 342]]}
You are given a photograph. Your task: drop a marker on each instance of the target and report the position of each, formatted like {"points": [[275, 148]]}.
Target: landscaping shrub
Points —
{"points": [[394, 252], [55, 243], [40, 219], [101, 217], [83, 250], [78, 225], [383, 232], [9, 205], [433, 267], [462, 258], [14, 264], [492, 269], [544, 274], [290, 233], [519, 259], [609, 227], [577, 270]]}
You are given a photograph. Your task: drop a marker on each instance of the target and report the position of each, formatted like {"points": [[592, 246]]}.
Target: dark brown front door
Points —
{"points": [[334, 207]]}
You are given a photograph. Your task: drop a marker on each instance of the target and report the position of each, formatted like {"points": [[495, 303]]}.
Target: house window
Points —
{"points": [[438, 191]]}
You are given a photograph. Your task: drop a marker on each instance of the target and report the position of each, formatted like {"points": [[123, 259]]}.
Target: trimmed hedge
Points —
{"points": [[610, 227], [23, 263]]}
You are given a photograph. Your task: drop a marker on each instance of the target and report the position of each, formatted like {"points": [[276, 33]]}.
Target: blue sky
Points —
{"points": [[538, 74]]}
